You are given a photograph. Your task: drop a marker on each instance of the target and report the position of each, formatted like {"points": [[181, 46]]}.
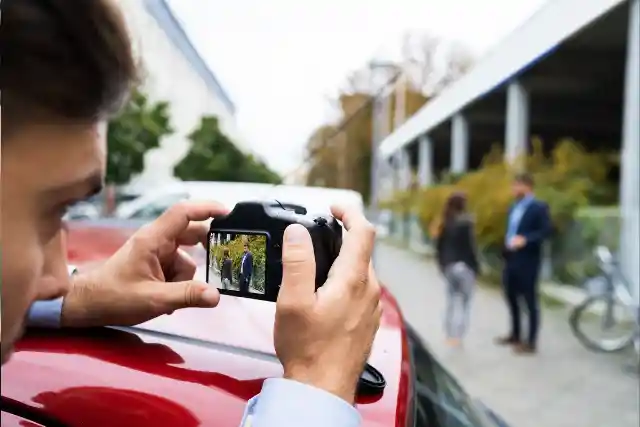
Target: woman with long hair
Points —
{"points": [[226, 266], [456, 253]]}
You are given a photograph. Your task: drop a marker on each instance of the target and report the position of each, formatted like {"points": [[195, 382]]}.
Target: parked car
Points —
{"points": [[198, 367], [94, 239], [315, 199]]}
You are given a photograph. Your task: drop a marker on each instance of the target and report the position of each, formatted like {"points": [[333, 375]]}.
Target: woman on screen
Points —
{"points": [[226, 266]]}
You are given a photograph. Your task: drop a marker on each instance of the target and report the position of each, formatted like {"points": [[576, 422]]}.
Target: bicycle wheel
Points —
{"points": [[604, 314]]}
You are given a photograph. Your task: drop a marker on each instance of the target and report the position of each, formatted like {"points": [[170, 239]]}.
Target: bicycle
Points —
{"points": [[611, 300]]}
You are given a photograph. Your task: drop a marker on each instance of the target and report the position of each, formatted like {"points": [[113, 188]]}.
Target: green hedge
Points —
{"points": [[568, 179]]}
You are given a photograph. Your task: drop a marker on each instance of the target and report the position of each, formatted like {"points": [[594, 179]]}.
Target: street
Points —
{"points": [[563, 385]]}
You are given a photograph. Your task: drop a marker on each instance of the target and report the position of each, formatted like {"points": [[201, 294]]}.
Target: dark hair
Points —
{"points": [[63, 59], [525, 178], [456, 204], [225, 252]]}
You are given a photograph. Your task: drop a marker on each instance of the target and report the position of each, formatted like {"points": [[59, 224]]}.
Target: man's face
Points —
{"points": [[45, 169], [246, 248], [520, 189]]}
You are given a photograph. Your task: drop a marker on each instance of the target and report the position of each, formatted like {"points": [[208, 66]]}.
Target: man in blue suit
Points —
{"points": [[246, 269], [529, 224]]}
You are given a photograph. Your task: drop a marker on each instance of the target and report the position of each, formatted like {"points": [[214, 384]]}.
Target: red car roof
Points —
{"points": [[196, 367]]}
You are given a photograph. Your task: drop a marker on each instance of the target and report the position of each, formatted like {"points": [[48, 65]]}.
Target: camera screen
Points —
{"points": [[237, 261]]}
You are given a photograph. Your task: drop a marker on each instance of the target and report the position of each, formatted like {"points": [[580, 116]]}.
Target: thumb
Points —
{"points": [[190, 293], [298, 266]]}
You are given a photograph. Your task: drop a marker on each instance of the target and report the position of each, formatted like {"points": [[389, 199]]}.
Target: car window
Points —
{"points": [[440, 401], [156, 207]]}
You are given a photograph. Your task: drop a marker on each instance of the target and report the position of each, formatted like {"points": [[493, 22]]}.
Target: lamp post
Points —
{"points": [[380, 119]]}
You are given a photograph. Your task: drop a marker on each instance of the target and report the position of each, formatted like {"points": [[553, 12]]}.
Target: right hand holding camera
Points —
{"points": [[324, 338]]}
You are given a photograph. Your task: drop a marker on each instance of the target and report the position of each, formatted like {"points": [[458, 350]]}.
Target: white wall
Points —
{"points": [[169, 76]]}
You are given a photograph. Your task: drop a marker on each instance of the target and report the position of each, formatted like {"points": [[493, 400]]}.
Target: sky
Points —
{"points": [[282, 60]]}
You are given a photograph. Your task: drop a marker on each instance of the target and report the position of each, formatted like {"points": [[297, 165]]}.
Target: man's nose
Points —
{"points": [[55, 280]]}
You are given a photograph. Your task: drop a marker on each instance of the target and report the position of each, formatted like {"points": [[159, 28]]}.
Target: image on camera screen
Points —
{"points": [[237, 262]]}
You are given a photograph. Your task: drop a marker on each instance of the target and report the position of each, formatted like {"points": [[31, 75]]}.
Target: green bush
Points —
{"points": [[567, 180], [573, 259]]}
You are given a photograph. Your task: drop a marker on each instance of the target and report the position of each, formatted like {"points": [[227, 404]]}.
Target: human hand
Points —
{"points": [[324, 338], [132, 286], [517, 242]]}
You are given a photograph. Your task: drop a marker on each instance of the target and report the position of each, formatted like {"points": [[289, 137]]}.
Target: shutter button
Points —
{"points": [[321, 221]]}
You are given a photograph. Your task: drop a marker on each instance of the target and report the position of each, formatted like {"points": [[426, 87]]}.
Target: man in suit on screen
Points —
{"points": [[246, 269]]}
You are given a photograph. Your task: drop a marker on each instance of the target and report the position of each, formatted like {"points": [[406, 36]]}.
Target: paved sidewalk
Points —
{"points": [[563, 385]]}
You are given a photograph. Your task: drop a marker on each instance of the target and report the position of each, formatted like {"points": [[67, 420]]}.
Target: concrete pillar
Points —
{"points": [[517, 124], [407, 180], [385, 179], [630, 173], [425, 161], [403, 169], [459, 144], [395, 171]]}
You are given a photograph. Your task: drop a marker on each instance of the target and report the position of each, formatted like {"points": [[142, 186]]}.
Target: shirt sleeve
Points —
{"points": [[47, 314], [287, 403]]}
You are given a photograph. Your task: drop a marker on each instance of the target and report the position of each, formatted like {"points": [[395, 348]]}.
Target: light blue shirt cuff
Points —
{"points": [[45, 314], [287, 403]]}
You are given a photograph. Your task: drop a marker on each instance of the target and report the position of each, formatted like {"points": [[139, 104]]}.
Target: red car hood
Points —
{"points": [[196, 367]]}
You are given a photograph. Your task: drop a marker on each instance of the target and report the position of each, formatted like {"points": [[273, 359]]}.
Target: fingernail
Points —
{"points": [[295, 233], [210, 296]]}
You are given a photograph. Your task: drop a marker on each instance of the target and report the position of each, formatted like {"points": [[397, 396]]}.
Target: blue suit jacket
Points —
{"points": [[535, 225], [247, 265]]}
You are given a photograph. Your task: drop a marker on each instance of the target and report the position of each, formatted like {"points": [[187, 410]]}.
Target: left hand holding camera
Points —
{"points": [[149, 276]]}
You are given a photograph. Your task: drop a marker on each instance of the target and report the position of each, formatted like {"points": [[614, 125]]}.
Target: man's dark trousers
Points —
{"points": [[520, 281], [246, 271], [244, 283]]}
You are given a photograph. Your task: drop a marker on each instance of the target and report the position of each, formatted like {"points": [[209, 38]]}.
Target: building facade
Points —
{"points": [[174, 72], [570, 70]]}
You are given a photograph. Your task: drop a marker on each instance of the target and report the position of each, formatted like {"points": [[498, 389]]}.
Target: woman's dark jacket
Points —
{"points": [[227, 265], [457, 243]]}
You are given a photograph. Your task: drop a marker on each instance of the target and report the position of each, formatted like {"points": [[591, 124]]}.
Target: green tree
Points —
{"points": [[255, 170], [138, 128], [214, 157], [321, 152], [340, 155]]}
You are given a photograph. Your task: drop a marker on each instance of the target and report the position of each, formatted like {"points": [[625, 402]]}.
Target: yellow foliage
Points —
{"points": [[340, 156]]}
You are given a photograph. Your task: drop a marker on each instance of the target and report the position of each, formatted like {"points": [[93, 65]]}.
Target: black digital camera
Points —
{"points": [[244, 250]]}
